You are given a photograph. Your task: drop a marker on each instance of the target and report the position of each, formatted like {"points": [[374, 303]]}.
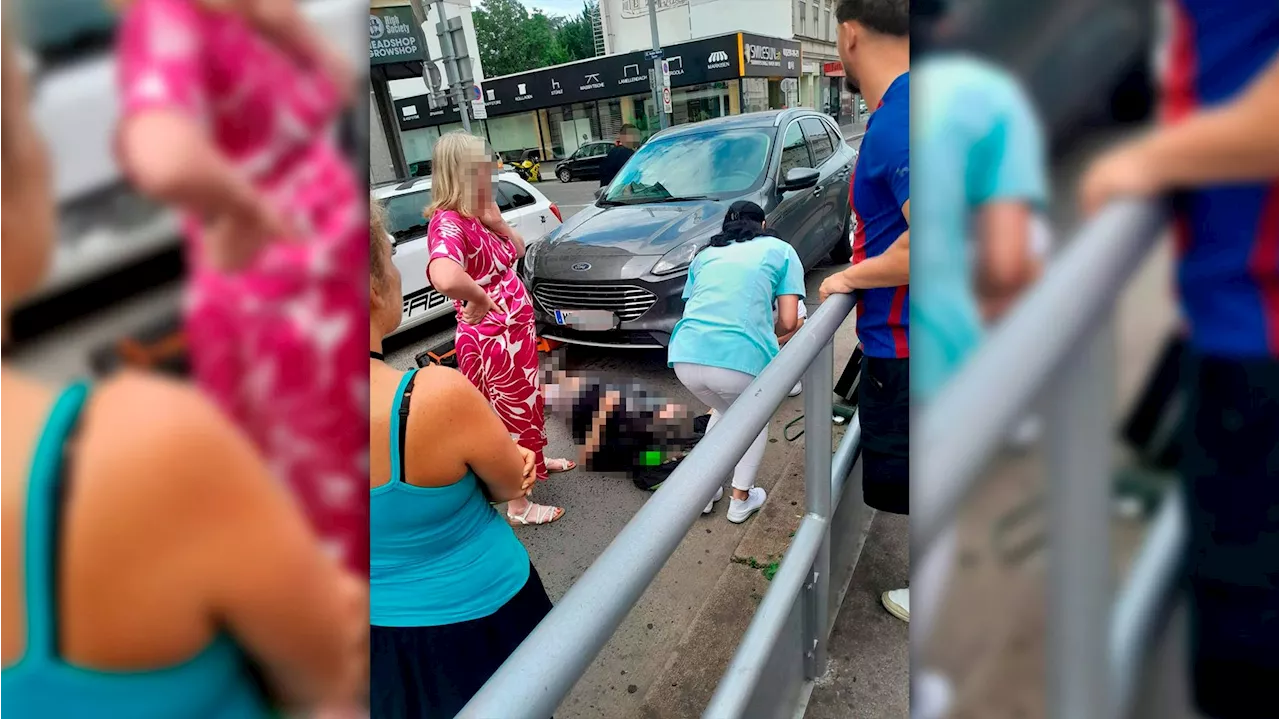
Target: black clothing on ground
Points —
{"points": [[1229, 474], [884, 411], [432, 672], [613, 162]]}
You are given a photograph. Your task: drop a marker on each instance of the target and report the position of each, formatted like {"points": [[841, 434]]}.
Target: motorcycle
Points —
{"points": [[529, 168]]}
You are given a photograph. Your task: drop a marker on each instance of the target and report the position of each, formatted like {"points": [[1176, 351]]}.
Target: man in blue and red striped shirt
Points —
{"points": [[1216, 151], [875, 49]]}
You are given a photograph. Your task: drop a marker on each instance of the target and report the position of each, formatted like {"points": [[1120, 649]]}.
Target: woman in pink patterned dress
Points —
{"points": [[473, 259], [227, 107]]}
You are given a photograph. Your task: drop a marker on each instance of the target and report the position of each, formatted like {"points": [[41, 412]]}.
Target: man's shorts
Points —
{"points": [[884, 414]]}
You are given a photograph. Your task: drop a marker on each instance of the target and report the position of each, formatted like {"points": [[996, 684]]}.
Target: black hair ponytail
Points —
{"points": [[743, 222]]}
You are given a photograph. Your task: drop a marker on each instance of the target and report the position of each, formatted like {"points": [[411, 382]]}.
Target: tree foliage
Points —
{"points": [[512, 39]]}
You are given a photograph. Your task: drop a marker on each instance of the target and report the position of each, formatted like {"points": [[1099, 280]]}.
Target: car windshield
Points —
{"points": [[695, 165], [404, 214]]}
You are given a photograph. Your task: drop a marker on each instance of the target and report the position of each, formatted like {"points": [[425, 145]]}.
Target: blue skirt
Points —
{"points": [[432, 672]]}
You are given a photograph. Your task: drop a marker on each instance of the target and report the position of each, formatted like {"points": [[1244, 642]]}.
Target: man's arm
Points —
{"points": [[892, 268], [1234, 142]]}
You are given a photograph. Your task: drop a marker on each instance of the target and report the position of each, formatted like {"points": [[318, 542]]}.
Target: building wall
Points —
{"points": [[627, 21], [453, 8], [626, 24], [381, 166]]}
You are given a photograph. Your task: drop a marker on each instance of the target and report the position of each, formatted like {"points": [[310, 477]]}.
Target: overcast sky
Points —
{"points": [[554, 7]]}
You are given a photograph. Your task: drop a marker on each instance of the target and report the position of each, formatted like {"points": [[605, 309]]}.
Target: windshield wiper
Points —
{"points": [[656, 200], [410, 231]]}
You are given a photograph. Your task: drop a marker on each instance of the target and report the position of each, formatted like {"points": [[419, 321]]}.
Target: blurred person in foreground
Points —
{"points": [[729, 332], [227, 107], [979, 157], [151, 566], [452, 590], [473, 255], [1215, 152], [875, 49], [628, 143]]}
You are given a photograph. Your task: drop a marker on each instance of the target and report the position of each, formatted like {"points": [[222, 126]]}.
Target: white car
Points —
{"points": [[528, 212], [105, 225]]}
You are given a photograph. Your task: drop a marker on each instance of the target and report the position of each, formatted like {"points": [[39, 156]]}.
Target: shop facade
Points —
{"points": [[552, 111]]}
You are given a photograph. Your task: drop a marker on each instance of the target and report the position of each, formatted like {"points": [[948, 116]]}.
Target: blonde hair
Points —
{"points": [[377, 237], [453, 159]]}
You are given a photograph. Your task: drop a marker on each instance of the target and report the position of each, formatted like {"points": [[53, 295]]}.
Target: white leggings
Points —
{"points": [[718, 389]]}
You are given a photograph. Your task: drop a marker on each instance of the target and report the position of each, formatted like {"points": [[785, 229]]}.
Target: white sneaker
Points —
{"points": [[740, 510], [898, 602], [1025, 433], [930, 696], [712, 504], [795, 391]]}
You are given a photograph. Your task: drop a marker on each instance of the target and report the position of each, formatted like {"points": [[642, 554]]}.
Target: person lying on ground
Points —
{"points": [[624, 427]]}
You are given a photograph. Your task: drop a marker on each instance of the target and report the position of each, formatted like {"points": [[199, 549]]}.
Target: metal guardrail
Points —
{"points": [[544, 668], [1058, 344]]}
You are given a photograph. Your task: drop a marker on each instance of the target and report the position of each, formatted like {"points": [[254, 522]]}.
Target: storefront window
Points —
{"points": [[573, 125], [771, 93], [511, 135], [699, 102]]}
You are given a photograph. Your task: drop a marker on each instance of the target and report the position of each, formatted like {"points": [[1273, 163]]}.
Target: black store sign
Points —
{"points": [[692, 63], [769, 57]]}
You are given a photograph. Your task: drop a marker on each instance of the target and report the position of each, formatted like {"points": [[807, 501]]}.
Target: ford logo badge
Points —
{"points": [[581, 267]]}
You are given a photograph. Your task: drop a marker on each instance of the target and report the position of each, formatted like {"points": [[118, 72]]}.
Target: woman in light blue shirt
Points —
{"points": [[728, 333]]}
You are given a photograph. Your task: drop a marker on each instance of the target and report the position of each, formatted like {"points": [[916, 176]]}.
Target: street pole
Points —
{"points": [[447, 54], [664, 123]]}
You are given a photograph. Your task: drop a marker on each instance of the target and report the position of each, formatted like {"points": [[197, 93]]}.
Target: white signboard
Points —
{"points": [[478, 110], [666, 100], [666, 75]]}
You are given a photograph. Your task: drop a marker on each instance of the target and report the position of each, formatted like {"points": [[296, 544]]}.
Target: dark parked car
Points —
{"points": [[614, 273], [584, 163]]}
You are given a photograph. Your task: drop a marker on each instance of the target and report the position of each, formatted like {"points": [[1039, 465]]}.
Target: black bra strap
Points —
{"points": [[404, 421]]}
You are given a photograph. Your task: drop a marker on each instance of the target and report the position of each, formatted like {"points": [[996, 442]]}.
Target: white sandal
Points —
{"points": [[543, 515]]}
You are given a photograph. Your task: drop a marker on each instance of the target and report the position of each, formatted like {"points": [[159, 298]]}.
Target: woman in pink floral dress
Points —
{"points": [[473, 259], [227, 108]]}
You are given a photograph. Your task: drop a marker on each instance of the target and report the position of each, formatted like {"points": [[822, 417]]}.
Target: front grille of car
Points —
{"points": [[627, 301]]}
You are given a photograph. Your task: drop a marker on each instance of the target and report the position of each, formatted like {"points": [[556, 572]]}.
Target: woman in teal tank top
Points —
{"points": [[151, 563], [452, 590]]}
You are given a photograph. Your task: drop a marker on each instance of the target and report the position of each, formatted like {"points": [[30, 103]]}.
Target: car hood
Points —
{"points": [[638, 230]]}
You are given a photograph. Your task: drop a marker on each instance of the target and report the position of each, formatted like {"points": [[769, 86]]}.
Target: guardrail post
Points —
{"points": [[817, 498], [1079, 462]]}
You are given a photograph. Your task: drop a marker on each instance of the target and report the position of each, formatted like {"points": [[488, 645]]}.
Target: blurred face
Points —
{"points": [[482, 183], [847, 37], [385, 293], [28, 218]]}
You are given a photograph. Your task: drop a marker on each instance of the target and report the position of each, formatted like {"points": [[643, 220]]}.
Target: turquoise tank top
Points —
{"points": [[438, 555], [214, 684]]}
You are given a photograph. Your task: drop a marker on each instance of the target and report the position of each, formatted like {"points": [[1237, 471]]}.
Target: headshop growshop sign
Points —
{"points": [[394, 36]]}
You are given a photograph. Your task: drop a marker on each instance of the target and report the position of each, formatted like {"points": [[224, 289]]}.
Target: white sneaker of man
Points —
{"points": [[898, 603], [930, 696]]}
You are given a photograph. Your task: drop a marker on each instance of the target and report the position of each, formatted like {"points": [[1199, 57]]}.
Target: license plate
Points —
{"points": [[587, 320]]}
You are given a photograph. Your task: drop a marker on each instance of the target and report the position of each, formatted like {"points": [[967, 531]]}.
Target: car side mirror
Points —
{"points": [[799, 178], [599, 192]]}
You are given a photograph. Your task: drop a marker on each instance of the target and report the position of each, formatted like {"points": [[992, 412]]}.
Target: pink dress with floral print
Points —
{"points": [[280, 345], [499, 355]]}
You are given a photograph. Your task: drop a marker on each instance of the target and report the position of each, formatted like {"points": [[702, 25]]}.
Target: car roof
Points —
{"points": [[765, 118], [418, 184]]}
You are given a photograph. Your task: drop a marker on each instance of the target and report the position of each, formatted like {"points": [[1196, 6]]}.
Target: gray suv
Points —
{"points": [[613, 274]]}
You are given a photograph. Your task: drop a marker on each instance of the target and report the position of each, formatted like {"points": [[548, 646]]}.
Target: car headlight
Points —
{"points": [[678, 259], [530, 253]]}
